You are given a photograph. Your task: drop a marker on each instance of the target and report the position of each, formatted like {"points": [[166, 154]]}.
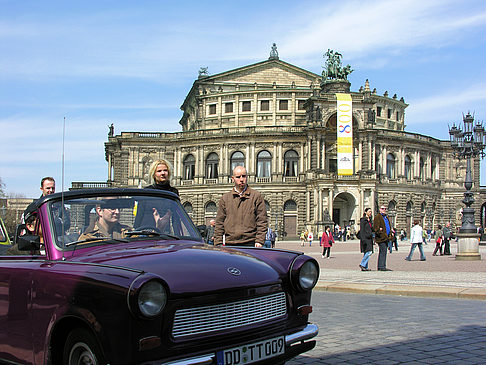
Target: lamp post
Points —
{"points": [[467, 143]]}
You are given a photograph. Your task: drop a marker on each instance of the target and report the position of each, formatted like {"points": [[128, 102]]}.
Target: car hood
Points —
{"points": [[187, 267]]}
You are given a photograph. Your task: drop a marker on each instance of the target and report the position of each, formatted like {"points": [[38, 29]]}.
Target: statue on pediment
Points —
{"points": [[333, 68]]}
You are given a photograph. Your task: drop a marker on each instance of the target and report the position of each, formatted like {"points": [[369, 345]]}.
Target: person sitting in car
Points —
{"points": [[31, 228], [107, 223]]}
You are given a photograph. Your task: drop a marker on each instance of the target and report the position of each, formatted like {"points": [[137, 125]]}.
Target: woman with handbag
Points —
{"points": [[326, 242], [438, 240]]}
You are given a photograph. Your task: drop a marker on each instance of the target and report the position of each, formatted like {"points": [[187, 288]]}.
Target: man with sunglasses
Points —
{"points": [[382, 229], [107, 223], [241, 217]]}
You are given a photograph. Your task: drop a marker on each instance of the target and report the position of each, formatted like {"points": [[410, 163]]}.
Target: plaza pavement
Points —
{"points": [[438, 276]]}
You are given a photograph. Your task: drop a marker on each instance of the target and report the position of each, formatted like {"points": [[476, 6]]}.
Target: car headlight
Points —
{"points": [[308, 275], [147, 296], [152, 298], [304, 273]]}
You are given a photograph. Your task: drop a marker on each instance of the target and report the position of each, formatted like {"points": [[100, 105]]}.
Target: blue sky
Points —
{"points": [[132, 63]]}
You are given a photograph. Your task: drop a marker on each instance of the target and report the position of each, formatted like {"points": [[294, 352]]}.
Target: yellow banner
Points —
{"points": [[345, 134]]}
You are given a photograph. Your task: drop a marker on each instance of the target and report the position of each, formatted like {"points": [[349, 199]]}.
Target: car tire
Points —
{"points": [[81, 348]]}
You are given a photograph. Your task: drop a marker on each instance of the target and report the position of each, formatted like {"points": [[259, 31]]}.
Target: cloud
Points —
{"points": [[362, 28], [440, 108]]}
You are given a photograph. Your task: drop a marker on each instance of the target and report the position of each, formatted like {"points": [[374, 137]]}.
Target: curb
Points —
{"points": [[405, 290]]}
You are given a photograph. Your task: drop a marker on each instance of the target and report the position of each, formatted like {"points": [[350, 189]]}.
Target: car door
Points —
{"points": [[16, 274]]}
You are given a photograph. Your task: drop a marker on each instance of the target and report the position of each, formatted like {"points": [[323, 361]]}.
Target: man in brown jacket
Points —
{"points": [[382, 229], [241, 217]]}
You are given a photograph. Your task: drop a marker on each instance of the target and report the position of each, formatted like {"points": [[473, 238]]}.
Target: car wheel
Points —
{"points": [[81, 348]]}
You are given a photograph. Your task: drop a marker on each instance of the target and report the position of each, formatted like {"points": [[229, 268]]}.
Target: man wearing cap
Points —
{"points": [[241, 217]]}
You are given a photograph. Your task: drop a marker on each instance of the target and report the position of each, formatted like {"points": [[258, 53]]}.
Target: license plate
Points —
{"points": [[251, 353]]}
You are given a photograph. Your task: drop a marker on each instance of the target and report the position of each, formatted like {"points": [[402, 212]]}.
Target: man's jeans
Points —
{"points": [[366, 258], [382, 255], [390, 246], [422, 255]]}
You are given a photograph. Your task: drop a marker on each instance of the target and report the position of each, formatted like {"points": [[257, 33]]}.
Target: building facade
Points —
{"points": [[280, 122]]}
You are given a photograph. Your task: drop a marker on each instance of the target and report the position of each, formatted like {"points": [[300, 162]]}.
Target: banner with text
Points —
{"points": [[344, 134]]}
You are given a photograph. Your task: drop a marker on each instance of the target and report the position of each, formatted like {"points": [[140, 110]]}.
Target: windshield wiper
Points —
{"points": [[151, 232], [142, 232], [91, 239]]}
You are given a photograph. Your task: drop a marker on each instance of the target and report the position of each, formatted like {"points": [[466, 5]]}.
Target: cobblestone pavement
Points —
{"points": [[382, 329]]}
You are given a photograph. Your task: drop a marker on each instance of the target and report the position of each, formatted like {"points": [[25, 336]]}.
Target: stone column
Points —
{"points": [[307, 202]]}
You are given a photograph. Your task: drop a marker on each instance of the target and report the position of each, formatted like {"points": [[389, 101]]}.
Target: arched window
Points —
{"points": [[409, 207], [189, 166], [188, 207], [264, 163], [390, 166], [212, 162], [211, 207], [237, 159], [267, 207], [290, 206], [422, 169], [291, 162], [408, 167]]}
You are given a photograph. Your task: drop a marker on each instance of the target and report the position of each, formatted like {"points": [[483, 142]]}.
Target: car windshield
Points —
{"points": [[100, 219]]}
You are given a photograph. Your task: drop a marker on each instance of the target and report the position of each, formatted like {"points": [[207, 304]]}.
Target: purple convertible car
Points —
{"points": [[122, 276]]}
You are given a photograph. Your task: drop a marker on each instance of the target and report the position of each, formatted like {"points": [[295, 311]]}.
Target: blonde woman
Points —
{"points": [[160, 175]]}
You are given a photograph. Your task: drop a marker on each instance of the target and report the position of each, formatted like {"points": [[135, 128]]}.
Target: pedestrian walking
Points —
{"points": [[303, 238], [268, 238], [310, 237], [273, 238], [439, 236], [210, 232], [447, 239], [326, 242], [366, 239], [416, 236]]}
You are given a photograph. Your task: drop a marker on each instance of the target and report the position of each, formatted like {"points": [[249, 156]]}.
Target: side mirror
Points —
{"points": [[26, 242]]}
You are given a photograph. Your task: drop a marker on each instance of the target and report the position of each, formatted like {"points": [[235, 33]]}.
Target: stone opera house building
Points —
{"points": [[281, 122]]}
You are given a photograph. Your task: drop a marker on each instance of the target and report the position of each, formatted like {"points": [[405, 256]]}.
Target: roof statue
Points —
{"points": [[111, 130], [203, 72], [273, 53], [334, 69]]}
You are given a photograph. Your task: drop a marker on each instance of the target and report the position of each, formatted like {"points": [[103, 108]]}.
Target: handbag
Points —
{"points": [[439, 240]]}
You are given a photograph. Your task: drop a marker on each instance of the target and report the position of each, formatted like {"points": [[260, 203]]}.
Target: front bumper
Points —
{"points": [[310, 331]]}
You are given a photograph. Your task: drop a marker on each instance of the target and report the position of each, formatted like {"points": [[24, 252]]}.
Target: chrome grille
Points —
{"points": [[199, 320]]}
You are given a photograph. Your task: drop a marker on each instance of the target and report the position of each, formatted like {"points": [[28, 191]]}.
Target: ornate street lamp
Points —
{"points": [[468, 143]]}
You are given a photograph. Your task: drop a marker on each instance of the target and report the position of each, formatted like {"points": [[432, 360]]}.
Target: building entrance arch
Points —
{"points": [[344, 211]]}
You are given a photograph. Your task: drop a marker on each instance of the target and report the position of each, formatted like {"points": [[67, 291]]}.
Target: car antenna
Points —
{"points": [[62, 185]]}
